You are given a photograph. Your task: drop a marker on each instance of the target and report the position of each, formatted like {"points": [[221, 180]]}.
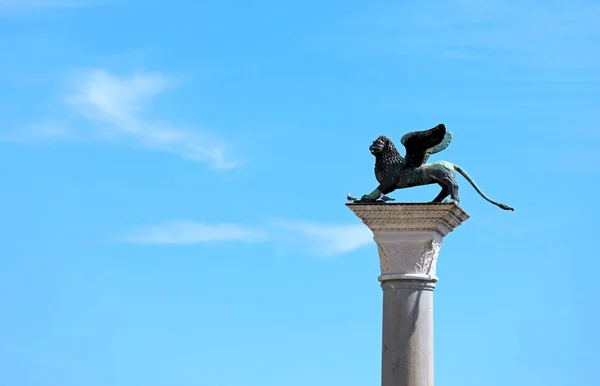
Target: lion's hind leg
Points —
{"points": [[446, 179], [453, 187]]}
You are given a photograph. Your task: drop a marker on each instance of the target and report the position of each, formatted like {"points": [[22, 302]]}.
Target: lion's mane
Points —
{"points": [[386, 159]]}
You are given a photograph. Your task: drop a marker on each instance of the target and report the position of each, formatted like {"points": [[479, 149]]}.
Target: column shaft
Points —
{"points": [[407, 350]]}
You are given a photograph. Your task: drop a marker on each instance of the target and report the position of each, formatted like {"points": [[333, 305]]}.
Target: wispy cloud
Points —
{"points": [[120, 102], [192, 232], [116, 106], [329, 239], [101, 95], [533, 32], [322, 239]]}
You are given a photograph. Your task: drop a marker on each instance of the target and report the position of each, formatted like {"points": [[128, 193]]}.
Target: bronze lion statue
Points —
{"points": [[396, 172]]}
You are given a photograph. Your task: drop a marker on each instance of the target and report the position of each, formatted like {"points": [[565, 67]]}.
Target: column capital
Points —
{"points": [[409, 236]]}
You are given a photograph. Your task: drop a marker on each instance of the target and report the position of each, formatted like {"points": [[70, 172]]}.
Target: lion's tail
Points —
{"points": [[468, 178]]}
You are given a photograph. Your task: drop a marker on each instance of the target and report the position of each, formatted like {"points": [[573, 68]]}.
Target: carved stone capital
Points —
{"points": [[407, 258], [409, 236]]}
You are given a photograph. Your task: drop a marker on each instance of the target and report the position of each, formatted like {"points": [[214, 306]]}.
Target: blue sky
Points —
{"points": [[174, 176]]}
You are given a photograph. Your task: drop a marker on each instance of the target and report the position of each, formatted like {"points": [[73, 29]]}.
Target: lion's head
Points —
{"points": [[383, 147], [379, 145], [386, 155]]}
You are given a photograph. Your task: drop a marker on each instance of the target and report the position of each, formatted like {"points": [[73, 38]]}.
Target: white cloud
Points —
{"points": [[323, 239], [329, 239], [116, 107], [191, 232], [104, 96]]}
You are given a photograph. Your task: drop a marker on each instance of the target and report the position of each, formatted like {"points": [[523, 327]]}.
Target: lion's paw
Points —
{"points": [[450, 201]]}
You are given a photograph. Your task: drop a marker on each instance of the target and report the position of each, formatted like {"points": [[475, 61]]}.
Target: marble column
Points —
{"points": [[408, 238]]}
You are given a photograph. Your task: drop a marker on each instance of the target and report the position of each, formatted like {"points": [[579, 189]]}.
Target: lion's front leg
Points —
{"points": [[373, 196]]}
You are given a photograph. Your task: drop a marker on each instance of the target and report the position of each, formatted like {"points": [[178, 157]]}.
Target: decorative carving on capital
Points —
{"points": [[408, 257], [384, 259], [427, 264], [431, 217]]}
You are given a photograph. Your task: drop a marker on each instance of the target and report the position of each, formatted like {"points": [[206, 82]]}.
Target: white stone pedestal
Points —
{"points": [[408, 237]]}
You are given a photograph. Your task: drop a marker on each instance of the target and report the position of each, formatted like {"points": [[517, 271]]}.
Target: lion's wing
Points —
{"points": [[441, 146], [418, 143]]}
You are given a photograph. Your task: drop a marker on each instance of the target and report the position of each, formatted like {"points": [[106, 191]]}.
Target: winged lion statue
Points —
{"points": [[396, 172]]}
